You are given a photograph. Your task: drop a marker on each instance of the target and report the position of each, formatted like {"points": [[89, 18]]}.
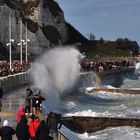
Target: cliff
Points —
{"points": [[46, 27], [45, 22]]}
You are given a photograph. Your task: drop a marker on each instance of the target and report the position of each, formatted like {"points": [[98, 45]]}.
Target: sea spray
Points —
{"points": [[137, 67], [56, 72]]}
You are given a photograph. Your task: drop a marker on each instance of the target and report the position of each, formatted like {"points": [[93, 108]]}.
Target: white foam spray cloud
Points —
{"points": [[57, 71], [138, 66]]}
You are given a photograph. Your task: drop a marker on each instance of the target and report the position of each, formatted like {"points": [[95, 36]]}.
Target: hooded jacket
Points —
{"points": [[22, 129], [21, 112], [6, 131]]}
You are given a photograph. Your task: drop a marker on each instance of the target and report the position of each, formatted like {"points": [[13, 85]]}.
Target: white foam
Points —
{"points": [[87, 136], [56, 72]]}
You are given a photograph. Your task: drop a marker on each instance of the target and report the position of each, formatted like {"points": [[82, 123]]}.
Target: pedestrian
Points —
{"points": [[34, 103], [28, 96], [22, 129], [42, 132], [1, 92], [33, 127], [30, 119], [6, 131], [20, 113], [52, 122], [39, 100]]}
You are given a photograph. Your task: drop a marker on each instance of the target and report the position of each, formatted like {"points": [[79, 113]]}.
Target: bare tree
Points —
{"points": [[91, 36]]}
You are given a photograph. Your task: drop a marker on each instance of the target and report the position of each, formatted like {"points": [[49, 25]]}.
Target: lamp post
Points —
{"points": [[26, 48], [21, 41], [20, 44], [10, 42]]}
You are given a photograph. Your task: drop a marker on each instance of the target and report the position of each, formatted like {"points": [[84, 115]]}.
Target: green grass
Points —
{"points": [[106, 52]]}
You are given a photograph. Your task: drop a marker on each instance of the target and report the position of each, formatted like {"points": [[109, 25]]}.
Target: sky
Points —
{"points": [[110, 19]]}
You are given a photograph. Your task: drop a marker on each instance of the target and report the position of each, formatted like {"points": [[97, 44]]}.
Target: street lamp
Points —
{"points": [[26, 49], [21, 41], [10, 42], [10, 51], [26, 43], [20, 44]]}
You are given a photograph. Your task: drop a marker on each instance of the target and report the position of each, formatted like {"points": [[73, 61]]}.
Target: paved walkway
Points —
{"points": [[11, 102]]}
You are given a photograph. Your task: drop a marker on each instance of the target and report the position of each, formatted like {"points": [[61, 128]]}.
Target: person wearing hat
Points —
{"points": [[6, 131]]}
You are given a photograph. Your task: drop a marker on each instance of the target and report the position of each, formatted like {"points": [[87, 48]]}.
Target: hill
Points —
{"points": [[46, 28]]}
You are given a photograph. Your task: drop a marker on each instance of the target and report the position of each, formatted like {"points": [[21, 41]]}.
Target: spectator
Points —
{"points": [[101, 68], [29, 93], [6, 131], [17, 67], [52, 122], [1, 92], [39, 100], [22, 129], [33, 127], [21, 112], [34, 103], [42, 132], [30, 119]]}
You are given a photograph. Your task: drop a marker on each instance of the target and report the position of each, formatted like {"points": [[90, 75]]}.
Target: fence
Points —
{"points": [[12, 81]]}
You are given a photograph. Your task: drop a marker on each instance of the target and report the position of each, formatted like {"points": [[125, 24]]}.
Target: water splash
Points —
{"points": [[137, 67], [56, 72]]}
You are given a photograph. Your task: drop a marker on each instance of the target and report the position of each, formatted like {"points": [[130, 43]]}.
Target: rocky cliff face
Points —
{"points": [[44, 20]]}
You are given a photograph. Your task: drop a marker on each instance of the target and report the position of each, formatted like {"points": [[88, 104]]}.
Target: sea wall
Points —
{"points": [[81, 124], [12, 81]]}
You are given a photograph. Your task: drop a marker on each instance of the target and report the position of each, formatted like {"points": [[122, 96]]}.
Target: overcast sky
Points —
{"points": [[110, 19]]}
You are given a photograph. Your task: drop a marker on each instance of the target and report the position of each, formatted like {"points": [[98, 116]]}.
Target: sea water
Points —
{"points": [[57, 72]]}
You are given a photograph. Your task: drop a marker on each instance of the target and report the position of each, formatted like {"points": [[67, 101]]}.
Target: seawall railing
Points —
{"points": [[12, 81]]}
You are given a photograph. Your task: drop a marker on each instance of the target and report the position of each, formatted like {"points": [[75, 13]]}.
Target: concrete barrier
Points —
{"points": [[65, 134], [12, 81], [115, 90], [81, 124]]}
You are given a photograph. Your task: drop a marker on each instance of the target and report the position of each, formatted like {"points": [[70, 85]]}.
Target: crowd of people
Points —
{"points": [[105, 65], [29, 125], [29, 128], [16, 67]]}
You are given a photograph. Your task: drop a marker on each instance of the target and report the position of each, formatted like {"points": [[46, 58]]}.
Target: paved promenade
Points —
{"points": [[11, 103]]}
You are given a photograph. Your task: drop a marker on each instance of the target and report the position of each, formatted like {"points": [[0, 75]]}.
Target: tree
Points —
{"points": [[91, 36]]}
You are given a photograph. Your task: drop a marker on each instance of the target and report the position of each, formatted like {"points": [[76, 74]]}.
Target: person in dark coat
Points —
{"points": [[1, 92], [6, 131], [34, 103], [22, 129], [39, 100], [29, 93], [42, 132], [52, 122]]}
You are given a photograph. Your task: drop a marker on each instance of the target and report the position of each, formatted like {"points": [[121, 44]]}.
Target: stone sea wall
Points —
{"points": [[12, 81]]}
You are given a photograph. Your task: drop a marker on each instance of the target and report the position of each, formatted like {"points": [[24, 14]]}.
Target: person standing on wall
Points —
{"points": [[39, 100], [29, 94]]}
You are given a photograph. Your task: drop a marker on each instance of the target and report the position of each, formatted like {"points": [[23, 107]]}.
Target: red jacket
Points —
{"points": [[33, 127], [20, 113]]}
